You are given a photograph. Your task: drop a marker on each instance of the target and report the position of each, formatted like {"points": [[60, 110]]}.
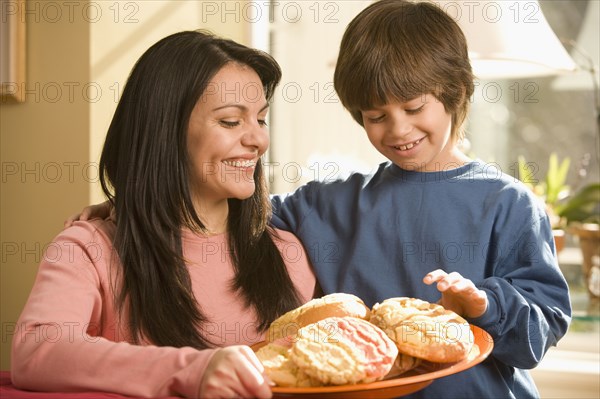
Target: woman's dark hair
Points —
{"points": [[144, 172], [397, 50]]}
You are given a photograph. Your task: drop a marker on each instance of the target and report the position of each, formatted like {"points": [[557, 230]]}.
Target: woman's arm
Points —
{"points": [[70, 338]]}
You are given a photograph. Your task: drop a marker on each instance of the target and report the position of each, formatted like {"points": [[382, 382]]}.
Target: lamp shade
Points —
{"points": [[509, 39], [586, 53]]}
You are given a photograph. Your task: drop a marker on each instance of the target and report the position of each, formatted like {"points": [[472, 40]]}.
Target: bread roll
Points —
{"points": [[343, 350], [333, 351], [424, 330], [332, 305], [402, 364], [275, 357]]}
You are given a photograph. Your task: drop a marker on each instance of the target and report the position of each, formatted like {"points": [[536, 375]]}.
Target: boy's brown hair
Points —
{"points": [[397, 50]]}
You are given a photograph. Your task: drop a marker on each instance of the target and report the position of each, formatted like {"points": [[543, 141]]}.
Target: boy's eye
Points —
{"points": [[376, 119], [229, 123], [415, 111]]}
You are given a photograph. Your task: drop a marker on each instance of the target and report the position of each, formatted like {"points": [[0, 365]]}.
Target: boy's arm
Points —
{"points": [[289, 210], [529, 307]]}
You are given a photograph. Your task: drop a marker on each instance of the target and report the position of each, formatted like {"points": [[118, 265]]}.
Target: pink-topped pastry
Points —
{"points": [[343, 350], [275, 357]]}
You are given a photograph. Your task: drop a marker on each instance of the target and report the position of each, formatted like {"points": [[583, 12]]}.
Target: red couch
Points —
{"points": [[9, 391]]}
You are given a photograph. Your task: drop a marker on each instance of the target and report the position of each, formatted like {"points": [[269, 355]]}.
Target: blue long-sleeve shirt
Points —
{"points": [[377, 236]]}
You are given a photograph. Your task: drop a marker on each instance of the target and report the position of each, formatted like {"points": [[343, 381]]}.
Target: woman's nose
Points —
{"points": [[256, 136]]}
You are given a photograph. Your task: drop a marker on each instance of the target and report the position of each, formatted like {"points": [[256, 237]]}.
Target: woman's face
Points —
{"points": [[227, 134]]}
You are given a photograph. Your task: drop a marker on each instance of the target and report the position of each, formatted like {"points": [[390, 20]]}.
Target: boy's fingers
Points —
{"points": [[113, 215], [434, 276], [464, 286], [85, 214], [480, 295], [72, 219]]}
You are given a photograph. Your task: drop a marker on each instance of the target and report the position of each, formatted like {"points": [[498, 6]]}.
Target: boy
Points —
{"points": [[403, 73]]}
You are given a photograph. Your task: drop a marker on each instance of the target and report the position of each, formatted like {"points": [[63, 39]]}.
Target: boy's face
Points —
{"points": [[415, 135]]}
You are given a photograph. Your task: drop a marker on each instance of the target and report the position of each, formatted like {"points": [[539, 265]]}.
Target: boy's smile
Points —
{"points": [[405, 147]]}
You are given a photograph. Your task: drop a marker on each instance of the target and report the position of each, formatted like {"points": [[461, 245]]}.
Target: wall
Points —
{"points": [[312, 136], [44, 146], [79, 54]]}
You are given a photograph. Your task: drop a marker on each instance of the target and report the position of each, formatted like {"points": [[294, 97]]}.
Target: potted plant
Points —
{"points": [[577, 212], [581, 215]]}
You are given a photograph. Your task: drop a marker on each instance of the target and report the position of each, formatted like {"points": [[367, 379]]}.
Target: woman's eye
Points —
{"points": [[229, 123], [415, 111], [262, 122]]}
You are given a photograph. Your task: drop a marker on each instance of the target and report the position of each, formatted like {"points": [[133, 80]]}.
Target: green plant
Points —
{"points": [[583, 206], [564, 207], [553, 189]]}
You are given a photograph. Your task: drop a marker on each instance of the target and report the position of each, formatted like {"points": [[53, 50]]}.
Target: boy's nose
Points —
{"points": [[401, 127]]}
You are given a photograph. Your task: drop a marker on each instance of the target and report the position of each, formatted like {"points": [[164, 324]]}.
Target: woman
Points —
{"points": [[138, 306]]}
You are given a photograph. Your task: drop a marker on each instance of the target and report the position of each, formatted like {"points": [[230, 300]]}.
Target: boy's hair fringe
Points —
{"points": [[397, 50]]}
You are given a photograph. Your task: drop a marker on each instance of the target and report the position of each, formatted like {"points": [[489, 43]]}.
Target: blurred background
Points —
{"points": [[76, 55]]}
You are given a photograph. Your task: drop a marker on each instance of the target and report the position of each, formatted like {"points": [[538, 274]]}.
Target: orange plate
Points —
{"points": [[405, 384]]}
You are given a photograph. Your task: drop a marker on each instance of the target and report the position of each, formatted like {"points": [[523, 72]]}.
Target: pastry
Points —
{"points": [[332, 305], [343, 350], [333, 351], [424, 330]]}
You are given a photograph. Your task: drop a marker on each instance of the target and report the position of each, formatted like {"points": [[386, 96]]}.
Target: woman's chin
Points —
{"points": [[243, 194]]}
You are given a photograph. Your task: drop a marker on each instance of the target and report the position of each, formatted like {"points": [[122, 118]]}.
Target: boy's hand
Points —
{"points": [[458, 293], [101, 211]]}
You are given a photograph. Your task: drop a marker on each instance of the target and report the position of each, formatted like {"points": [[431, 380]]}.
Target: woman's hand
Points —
{"points": [[101, 211], [234, 372], [458, 293]]}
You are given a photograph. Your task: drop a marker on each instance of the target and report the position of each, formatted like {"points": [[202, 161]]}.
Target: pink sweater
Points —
{"points": [[69, 336]]}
